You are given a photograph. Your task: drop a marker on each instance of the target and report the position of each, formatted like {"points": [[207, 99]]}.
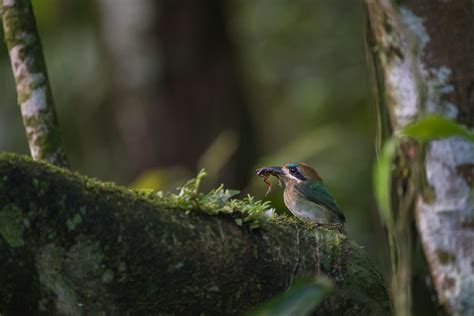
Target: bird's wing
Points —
{"points": [[316, 192]]}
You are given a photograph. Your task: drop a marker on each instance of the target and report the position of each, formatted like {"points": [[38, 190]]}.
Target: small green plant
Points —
{"points": [[218, 201]]}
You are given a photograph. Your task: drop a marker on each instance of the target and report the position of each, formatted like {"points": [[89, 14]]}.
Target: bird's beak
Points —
{"points": [[274, 171]]}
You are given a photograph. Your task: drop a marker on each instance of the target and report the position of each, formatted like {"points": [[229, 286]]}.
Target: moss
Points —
{"points": [[132, 253], [73, 222], [360, 268], [108, 276], [61, 272], [44, 135], [217, 202], [11, 225], [50, 271]]}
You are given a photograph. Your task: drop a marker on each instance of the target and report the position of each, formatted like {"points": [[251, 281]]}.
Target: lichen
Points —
{"points": [[35, 102], [413, 86], [11, 225], [81, 267], [49, 267], [436, 79], [32, 86], [8, 2], [416, 26], [451, 190]]}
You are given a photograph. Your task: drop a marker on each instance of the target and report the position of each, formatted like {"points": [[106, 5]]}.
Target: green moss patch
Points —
{"points": [[218, 201], [11, 225]]}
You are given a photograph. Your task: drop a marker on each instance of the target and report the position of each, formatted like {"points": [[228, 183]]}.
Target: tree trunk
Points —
{"points": [[175, 72], [424, 52], [32, 84], [72, 245]]}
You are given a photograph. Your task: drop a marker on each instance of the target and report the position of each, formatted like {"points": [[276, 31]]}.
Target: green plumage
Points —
{"points": [[305, 194], [316, 192]]}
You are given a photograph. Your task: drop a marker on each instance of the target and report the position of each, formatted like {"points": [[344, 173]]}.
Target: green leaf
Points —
{"points": [[383, 180], [434, 127], [225, 195], [192, 186], [383, 187], [301, 299]]}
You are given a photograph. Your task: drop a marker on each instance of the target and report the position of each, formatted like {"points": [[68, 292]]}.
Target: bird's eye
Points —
{"points": [[292, 169]]}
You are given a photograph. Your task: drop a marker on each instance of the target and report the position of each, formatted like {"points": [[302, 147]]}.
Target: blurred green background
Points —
{"points": [[148, 92]]}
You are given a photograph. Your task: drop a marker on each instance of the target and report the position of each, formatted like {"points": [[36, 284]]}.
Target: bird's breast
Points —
{"points": [[304, 208]]}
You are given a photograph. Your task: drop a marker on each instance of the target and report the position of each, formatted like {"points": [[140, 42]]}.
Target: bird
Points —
{"points": [[305, 194]]}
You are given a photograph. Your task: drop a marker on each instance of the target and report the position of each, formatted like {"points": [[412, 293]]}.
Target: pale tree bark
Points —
{"points": [[32, 85], [423, 51]]}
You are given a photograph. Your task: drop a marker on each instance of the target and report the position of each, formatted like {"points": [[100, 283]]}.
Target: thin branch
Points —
{"points": [[32, 85]]}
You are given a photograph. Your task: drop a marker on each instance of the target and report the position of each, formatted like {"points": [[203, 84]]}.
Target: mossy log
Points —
{"points": [[72, 245]]}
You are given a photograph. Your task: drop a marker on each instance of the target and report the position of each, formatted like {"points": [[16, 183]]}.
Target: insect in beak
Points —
{"points": [[266, 172]]}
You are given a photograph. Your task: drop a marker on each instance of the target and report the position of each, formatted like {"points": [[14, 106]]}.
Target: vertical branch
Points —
{"points": [[394, 50], [32, 85], [424, 48]]}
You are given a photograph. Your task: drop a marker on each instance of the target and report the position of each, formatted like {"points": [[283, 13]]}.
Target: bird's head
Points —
{"points": [[291, 173]]}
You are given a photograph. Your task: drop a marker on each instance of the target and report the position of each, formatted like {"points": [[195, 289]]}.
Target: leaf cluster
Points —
{"points": [[219, 201]]}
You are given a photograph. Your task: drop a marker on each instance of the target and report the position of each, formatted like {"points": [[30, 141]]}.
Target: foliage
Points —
{"points": [[383, 180], [428, 128], [218, 201], [382, 188], [301, 299], [434, 127]]}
